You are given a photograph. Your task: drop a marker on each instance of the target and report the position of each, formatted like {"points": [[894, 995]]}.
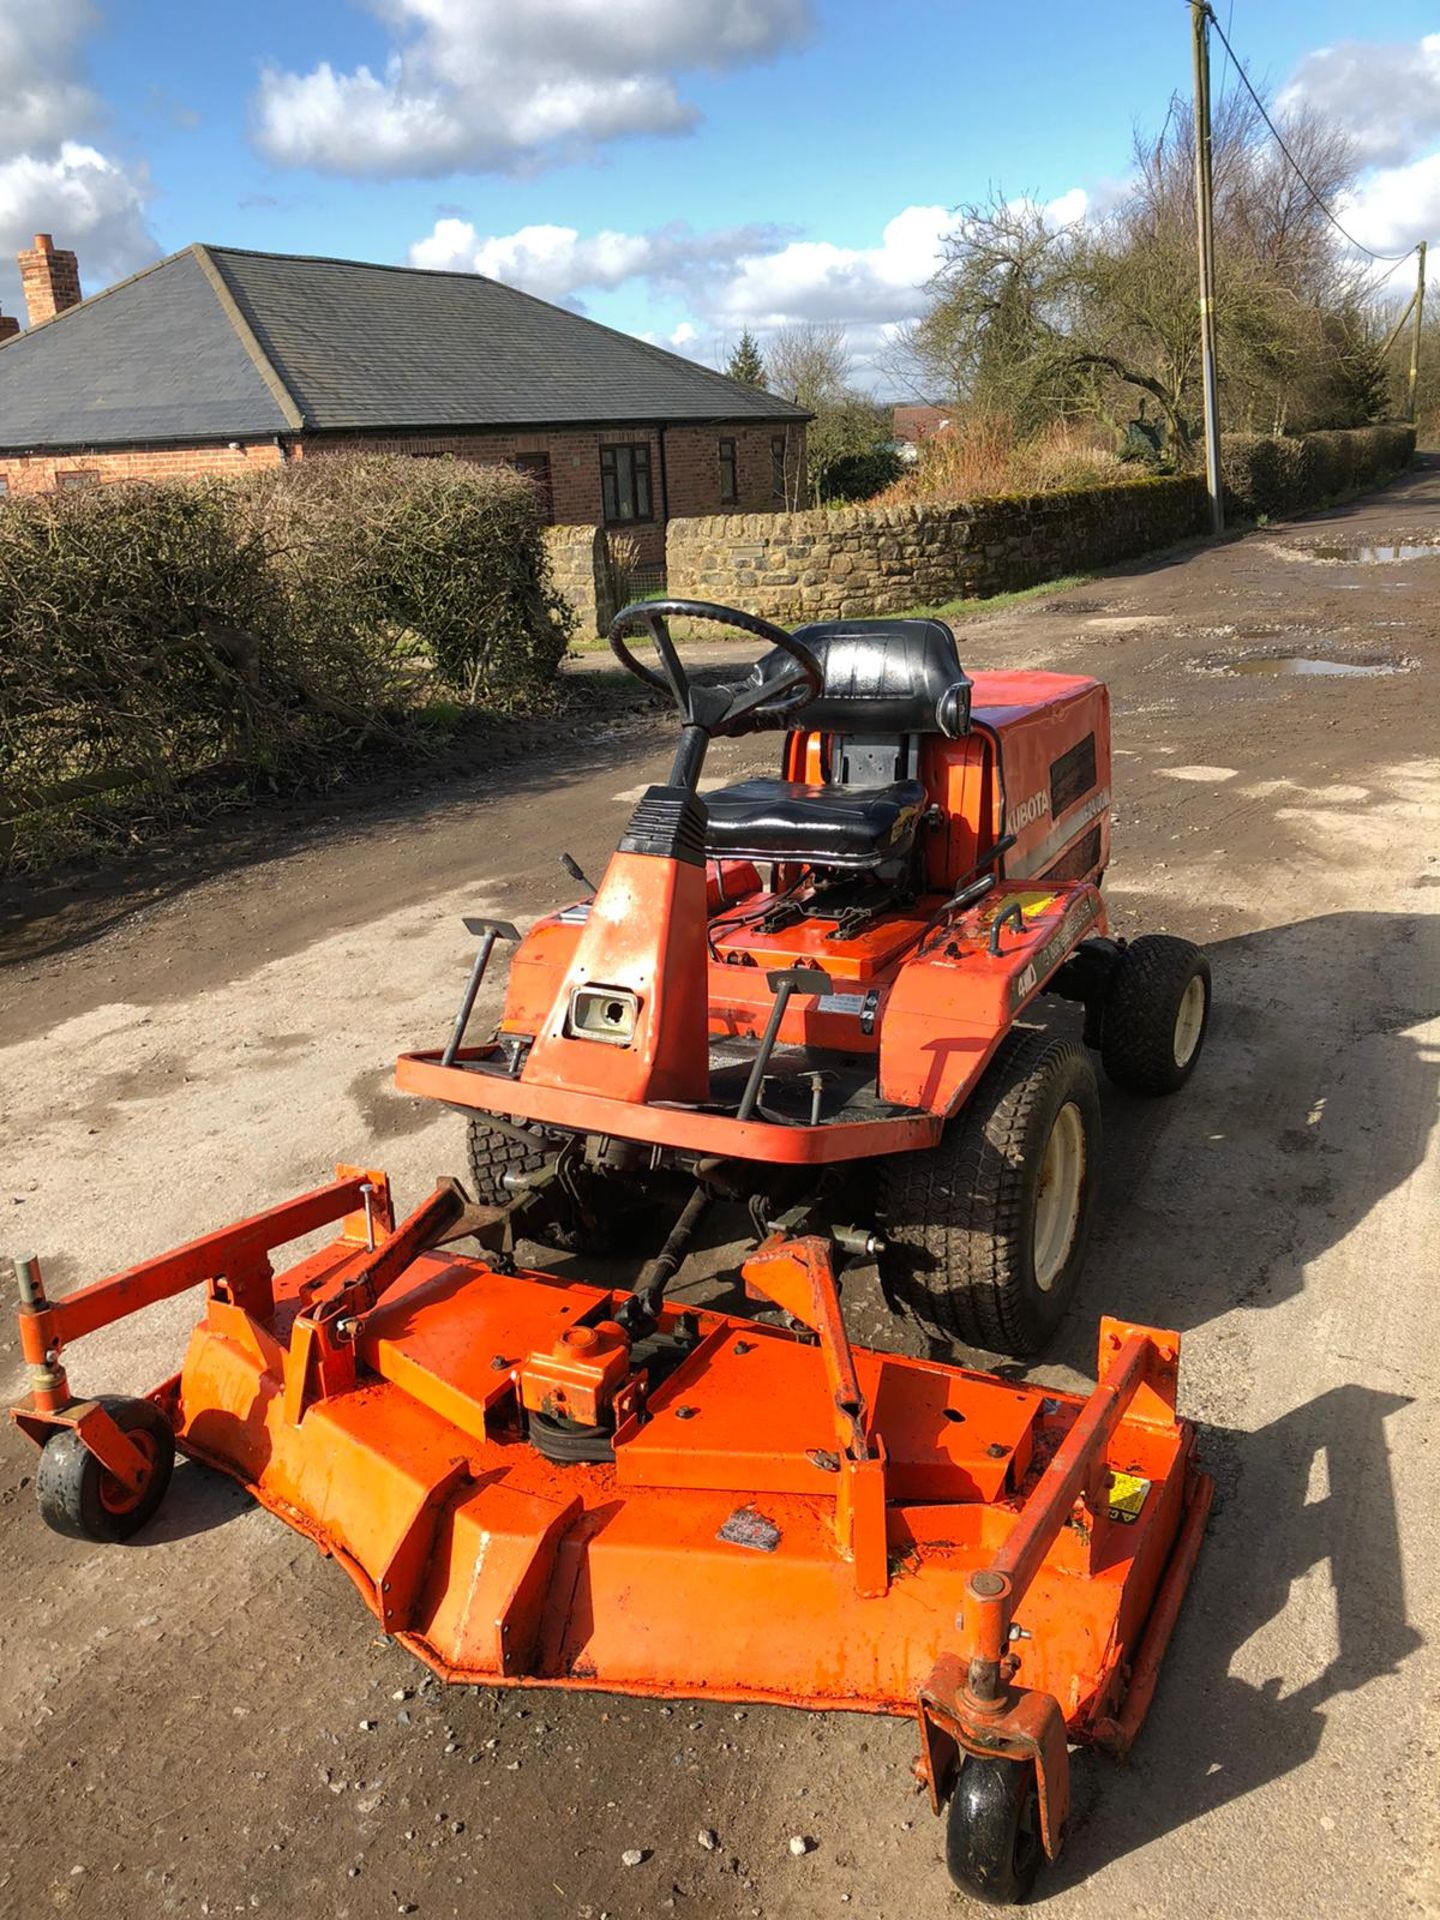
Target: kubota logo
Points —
{"points": [[1028, 812]]}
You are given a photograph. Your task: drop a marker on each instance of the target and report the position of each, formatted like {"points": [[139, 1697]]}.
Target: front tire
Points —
{"points": [[82, 1499], [993, 1847], [986, 1231], [1157, 1015]]}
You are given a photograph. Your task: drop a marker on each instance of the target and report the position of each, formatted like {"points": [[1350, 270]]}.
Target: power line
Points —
{"points": [[1359, 246]]}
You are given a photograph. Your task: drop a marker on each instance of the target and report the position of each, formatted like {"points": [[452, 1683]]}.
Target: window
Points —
{"points": [[536, 469], [625, 483], [4, 486], [777, 466], [729, 479], [77, 477]]}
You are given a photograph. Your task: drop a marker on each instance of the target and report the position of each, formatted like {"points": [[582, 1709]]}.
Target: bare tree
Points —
{"points": [[1038, 322]]}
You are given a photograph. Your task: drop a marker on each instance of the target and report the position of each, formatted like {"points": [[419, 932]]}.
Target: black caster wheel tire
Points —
{"points": [[993, 1848], [1157, 1015], [79, 1498]]}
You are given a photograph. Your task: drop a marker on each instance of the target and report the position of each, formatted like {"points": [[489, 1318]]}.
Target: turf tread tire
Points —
{"points": [[957, 1216], [1137, 1039], [493, 1154]]}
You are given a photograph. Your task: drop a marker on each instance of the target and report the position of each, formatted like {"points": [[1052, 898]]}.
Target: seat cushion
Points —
{"points": [[824, 826]]}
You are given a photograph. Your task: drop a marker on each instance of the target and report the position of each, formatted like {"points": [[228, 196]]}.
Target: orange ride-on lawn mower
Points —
{"points": [[803, 994]]}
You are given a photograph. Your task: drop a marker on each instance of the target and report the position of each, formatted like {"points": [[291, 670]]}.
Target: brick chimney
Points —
{"points": [[50, 276], [9, 327]]}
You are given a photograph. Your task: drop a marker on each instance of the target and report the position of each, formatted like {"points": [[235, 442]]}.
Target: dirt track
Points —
{"points": [[207, 1722]]}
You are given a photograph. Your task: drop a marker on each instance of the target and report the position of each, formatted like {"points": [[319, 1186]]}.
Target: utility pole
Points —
{"points": [[1205, 234], [1415, 337]]}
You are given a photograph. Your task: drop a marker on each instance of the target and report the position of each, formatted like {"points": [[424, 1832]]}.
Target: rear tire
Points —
{"points": [[986, 1231], [82, 1499], [1156, 1016]]}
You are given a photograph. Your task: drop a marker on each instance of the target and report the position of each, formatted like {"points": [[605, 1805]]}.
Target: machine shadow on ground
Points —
{"points": [[1309, 1494]]}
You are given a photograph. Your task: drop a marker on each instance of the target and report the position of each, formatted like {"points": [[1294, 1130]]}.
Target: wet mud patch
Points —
{"points": [[1377, 553], [388, 1114], [1311, 656]]}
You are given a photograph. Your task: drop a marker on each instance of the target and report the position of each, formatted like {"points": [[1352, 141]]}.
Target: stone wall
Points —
{"points": [[848, 562], [579, 569]]}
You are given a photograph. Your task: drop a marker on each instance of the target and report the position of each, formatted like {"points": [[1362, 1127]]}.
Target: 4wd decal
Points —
{"points": [[1077, 918]]}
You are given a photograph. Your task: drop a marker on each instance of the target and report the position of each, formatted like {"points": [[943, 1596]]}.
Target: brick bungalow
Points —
{"points": [[220, 361]]}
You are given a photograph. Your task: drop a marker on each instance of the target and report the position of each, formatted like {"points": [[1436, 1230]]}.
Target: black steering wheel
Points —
{"points": [[769, 700]]}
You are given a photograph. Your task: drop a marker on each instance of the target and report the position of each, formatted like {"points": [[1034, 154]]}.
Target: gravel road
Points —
{"points": [[207, 1722]]}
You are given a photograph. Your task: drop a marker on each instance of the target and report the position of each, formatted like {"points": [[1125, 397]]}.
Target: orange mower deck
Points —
{"points": [[857, 1530]]}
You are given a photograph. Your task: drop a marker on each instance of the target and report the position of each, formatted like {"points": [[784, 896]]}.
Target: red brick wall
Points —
{"points": [[692, 467], [38, 472]]}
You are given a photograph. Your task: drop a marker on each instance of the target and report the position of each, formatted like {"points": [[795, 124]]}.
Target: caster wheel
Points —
{"points": [[79, 1498], [1157, 1014], [993, 1847]]}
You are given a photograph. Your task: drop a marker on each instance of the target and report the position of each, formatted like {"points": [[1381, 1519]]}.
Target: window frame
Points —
{"points": [[638, 452], [76, 479], [727, 455]]}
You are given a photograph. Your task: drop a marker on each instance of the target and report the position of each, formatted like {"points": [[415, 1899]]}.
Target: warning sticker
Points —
{"points": [[1128, 1494]]}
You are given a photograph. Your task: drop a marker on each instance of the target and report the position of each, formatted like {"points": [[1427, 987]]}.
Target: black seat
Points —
{"points": [[886, 681], [824, 826]]}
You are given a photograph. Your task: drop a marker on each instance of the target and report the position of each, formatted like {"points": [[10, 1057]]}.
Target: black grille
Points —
{"points": [[1078, 859], [1072, 775]]}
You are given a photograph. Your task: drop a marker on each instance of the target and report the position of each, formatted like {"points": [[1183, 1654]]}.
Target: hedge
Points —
{"points": [[1271, 475], [165, 647]]}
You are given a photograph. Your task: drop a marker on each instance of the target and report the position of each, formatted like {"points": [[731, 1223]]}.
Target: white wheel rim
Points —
{"points": [[1057, 1197], [1189, 1019]]}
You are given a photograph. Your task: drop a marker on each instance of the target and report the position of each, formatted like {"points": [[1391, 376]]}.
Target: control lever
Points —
{"points": [[811, 982], [488, 932]]}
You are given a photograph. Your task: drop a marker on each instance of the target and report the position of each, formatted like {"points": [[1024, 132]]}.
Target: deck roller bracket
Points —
{"points": [[796, 1273], [487, 932]]}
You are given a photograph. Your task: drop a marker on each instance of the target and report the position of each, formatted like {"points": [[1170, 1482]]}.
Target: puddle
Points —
{"points": [[1377, 555], [1297, 665]]}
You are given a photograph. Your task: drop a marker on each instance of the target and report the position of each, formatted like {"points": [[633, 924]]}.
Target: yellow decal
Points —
{"points": [[1128, 1493]]}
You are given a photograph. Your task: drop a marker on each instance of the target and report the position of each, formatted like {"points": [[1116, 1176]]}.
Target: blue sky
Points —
{"points": [[680, 168]]}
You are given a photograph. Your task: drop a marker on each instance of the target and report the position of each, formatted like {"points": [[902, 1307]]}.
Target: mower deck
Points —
{"points": [[494, 1564], [824, 1524]]}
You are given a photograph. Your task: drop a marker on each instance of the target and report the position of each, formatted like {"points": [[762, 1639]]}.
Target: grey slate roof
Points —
{"points": [[215, 343]]}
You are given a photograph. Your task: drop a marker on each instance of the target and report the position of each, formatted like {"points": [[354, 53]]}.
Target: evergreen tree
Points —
{"points": [[745, 364]]}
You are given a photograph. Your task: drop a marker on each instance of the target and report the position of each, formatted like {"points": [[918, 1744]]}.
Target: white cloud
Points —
{"points": [[731, 277], [817, 280], [1395, 207], [727, 279], [52, 181], [43, 95], [89, 203], [512, 84], [1386, 94], [559, 263]]}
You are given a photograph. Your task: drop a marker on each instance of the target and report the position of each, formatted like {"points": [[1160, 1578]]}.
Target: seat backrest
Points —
{"points": [[881, 677]]}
